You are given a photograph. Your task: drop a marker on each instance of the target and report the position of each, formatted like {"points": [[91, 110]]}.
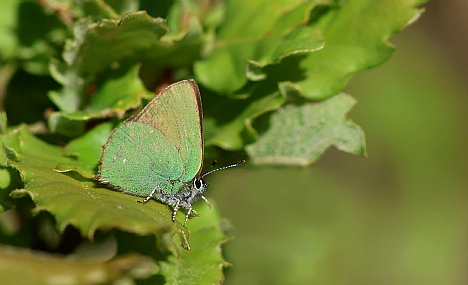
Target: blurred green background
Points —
{"points": [[397, 217]]}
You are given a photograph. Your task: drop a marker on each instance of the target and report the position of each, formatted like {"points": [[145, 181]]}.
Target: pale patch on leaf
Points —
{"points": [[298, 135]]}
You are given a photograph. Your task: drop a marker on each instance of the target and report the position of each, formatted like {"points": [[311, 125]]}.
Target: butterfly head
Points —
{"points": [[199, 185], [190, 194]]}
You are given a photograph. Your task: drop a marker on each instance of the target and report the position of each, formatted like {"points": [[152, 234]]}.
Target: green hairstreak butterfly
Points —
{"points": [[159, 152]]}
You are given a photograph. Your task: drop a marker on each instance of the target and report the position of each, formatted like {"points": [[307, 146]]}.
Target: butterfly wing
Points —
{"points": [[161, 145], [177, 114], [137, 158]]}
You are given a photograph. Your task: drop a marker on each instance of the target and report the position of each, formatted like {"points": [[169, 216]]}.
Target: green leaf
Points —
{"points": [[82, 202], [31, 267], [97, 46], [357, 34], [252, 31], [115, 97], [180, 49], [256, 34], [3, 122], [298, 135], [87, 151], [204, 264], [247, 52], [89, 207], [96, 9], [231, 135], [8, 25], [8, 182], [24, 39], [300, 41], [9, 138]]}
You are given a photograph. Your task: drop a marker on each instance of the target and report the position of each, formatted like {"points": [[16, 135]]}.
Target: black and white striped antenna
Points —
{"points": [[221, 168]]}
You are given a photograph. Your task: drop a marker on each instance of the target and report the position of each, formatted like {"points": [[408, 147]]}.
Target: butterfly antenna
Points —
{"points": [[221, 168], [211, 167]]}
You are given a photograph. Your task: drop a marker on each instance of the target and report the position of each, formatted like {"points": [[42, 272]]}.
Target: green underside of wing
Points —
{"points": [[137, 158], [175, 113]]}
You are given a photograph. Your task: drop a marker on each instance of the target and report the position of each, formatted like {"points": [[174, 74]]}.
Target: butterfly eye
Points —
{"points": [[199, 184]]}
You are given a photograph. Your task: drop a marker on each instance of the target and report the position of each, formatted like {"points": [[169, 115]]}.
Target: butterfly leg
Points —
{"points": [[176, 208], [187, 216], [206, 201], [150, 195]]}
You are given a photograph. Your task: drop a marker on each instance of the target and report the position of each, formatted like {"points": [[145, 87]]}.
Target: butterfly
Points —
{"points": [[158, 154]]}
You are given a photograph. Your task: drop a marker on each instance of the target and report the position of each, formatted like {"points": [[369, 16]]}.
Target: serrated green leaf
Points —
{"points": [[84, 204], [115, 97], [353, 51], [10, 139], [69, 124], [8, 182], [204, 264], [357, 36], [298, 135], [300, 41], [178, 50], [259, 33], [87, 149], [353, 42], [230, 135], [96, 46], [81, 202], [32, 267]]}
